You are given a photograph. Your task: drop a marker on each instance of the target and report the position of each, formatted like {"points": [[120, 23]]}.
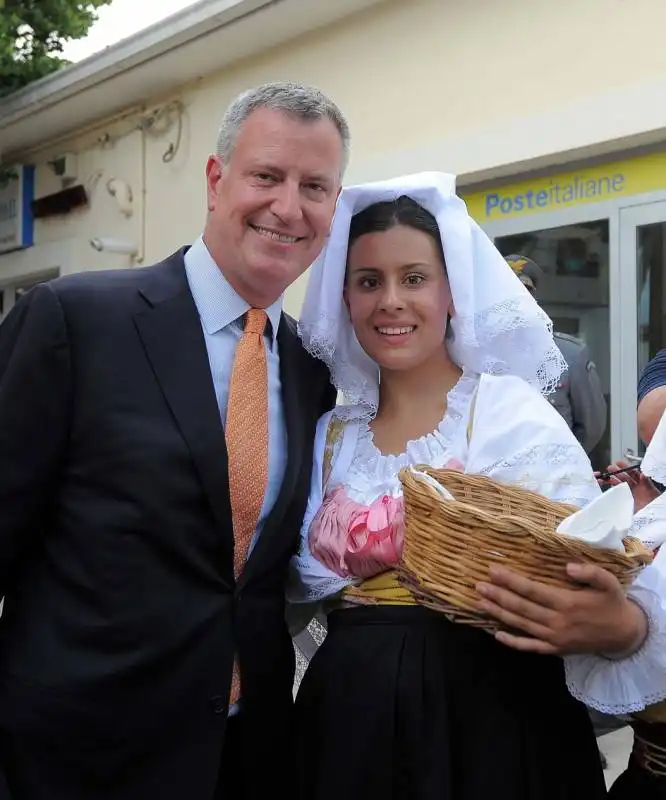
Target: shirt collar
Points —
{"points": [[216, 300]]}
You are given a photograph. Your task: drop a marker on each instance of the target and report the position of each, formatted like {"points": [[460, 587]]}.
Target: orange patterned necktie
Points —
{"points": [[246, 433]]}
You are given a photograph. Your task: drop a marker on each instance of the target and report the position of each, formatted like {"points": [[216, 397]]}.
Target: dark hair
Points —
{"points": [[386, 215]]}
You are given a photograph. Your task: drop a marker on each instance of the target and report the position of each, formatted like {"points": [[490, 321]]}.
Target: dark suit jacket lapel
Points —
{"points": [[292, 366], [172, 336]]}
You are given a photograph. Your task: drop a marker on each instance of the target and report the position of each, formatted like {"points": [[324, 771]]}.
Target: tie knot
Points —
{"points": [[255, 321]]}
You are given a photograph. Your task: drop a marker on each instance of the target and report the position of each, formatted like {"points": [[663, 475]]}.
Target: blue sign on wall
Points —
{"points": [[17, 191]]}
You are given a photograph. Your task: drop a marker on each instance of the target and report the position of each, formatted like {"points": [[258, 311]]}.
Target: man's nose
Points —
{"points": [[287, 203]]}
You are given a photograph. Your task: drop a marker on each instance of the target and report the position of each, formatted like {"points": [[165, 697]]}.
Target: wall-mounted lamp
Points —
{"points": [[105, 245]]}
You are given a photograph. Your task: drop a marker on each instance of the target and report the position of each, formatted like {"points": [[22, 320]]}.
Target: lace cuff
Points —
{"points": [[624, 686]]}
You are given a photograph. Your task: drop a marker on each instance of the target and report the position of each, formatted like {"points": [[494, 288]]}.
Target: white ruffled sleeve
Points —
{"points": [[630, 684], [309, 580], [518, 437]]}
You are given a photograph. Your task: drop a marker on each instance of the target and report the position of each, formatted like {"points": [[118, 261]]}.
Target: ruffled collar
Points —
{"points": [[432, 448]]}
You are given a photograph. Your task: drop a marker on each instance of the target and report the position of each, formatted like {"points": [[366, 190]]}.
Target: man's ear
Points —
{"points": [[214, 170]]}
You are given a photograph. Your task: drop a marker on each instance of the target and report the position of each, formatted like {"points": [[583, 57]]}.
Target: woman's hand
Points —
{"points": [[642, 488], [597, 618]]}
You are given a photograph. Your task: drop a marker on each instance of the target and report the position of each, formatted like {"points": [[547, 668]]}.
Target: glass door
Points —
{"points": [[574, 288], [643, 279]]}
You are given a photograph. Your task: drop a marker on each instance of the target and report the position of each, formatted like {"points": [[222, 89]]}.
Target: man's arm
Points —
{"points": [[588, 404], [651, 396], [34, 410]]}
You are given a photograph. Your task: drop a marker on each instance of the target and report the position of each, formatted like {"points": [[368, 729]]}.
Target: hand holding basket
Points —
{"points": [[450, 545]]}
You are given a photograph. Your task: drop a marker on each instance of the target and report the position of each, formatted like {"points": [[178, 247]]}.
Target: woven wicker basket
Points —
{"points": [[449, 546]]}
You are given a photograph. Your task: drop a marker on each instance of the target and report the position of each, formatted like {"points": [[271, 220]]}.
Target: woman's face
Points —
{"points": [[398, 296]]}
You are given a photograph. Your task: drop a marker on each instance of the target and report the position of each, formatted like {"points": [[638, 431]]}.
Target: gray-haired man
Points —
{"points": [[129, 592]]}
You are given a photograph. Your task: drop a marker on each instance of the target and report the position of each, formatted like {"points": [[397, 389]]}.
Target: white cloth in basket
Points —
{"points": [[604, 522]]}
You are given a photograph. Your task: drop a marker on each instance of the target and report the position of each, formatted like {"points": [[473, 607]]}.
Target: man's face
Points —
{"points": [[271, 204]]}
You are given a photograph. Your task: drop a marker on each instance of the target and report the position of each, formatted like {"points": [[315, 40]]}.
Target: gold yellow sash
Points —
{"points": [[384, 589]]}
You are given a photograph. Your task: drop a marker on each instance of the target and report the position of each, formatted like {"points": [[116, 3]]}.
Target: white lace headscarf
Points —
{"points": [[497, 327]]}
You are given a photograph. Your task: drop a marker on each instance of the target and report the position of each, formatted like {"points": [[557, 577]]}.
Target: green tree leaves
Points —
{"points": [[32, 33]]}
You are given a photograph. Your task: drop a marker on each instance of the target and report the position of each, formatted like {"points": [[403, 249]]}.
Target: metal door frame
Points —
{"points": [[630, 219]]}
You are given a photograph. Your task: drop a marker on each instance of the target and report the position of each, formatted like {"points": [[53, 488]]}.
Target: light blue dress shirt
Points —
{"points": [[221, 310]]}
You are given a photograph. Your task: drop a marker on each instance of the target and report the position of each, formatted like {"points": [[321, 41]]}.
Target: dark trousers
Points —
{"points": [[41, 770], [229, 783]]}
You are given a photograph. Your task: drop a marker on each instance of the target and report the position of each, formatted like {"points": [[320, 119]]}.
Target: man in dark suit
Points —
{"points": [[140, 581]]}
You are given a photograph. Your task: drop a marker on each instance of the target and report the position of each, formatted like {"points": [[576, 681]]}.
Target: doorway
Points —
{"points": [[643, 265], [573, 289]]}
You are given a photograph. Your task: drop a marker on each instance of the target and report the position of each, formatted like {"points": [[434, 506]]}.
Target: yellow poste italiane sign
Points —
{"points": [[589, 185]]}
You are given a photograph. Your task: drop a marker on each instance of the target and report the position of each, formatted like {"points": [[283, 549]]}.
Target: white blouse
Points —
{"points": [[501, 427]]}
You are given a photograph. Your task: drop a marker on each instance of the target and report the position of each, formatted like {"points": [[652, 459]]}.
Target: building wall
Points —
{"points": [[62, 243], [409, 75]]}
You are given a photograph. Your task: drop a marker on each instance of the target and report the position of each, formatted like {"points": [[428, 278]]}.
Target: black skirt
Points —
{"points": [[399, 703]]}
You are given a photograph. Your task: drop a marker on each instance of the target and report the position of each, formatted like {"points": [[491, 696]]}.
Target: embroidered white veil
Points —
{"points": [[498, 327]]}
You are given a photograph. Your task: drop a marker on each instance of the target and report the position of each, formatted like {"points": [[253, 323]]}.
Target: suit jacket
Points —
{"points": [[122, 615]]}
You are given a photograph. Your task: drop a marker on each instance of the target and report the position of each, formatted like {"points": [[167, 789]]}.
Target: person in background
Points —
{"points": [[579, 397], [651, 396]]}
